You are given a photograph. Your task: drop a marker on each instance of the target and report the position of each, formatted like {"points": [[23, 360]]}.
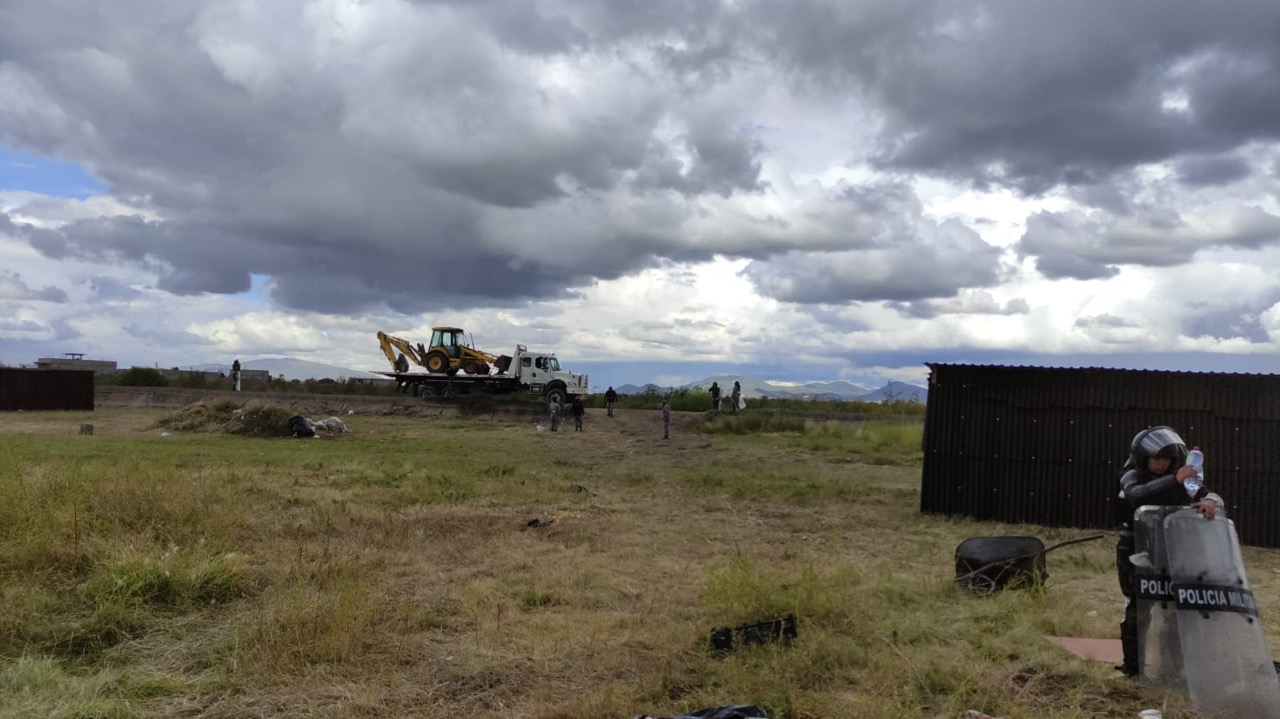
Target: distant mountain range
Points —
{"points": [[837, 390], [298, 369]]}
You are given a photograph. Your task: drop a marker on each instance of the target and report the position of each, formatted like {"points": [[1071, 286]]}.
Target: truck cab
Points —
{"points": [[543, 372]]}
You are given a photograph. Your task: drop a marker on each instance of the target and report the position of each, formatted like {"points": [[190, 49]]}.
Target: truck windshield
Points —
{"points": [[553, 364]]}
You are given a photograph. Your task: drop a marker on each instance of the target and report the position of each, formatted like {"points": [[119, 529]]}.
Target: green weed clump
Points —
{"points": [[878, 441], [886, 442], [172, 580], [754, 423], [43, 687]]}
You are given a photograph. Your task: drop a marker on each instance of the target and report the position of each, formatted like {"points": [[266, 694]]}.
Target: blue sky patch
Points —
{"points": [[36, 173]]}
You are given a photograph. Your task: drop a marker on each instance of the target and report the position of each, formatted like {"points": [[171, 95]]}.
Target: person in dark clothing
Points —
{"points": [[610, 398], [736, 396], [235, 375], [715, 396], [1154, 474], [666, 419], [578, 412]]}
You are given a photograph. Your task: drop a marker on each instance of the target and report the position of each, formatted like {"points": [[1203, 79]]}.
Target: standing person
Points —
{"points": [[715, 396], [554, 407], [610, 398], [666, 419], [578, 410], [235, 375], [1154, 474], [736, 397]]}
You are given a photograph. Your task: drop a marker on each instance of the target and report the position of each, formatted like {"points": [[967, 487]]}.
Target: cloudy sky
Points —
{"points": [[657, 190]]}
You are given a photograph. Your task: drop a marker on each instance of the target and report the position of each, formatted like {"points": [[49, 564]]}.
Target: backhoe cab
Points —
{"points": [[451, 351]]}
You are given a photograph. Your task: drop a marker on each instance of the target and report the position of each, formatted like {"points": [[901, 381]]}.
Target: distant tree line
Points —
{"points": [[148, 377]]}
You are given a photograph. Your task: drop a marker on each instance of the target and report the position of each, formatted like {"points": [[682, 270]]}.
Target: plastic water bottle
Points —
{"points": [[1195, 459]]}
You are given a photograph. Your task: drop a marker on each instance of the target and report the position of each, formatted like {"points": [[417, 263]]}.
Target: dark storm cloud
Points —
{"points": [[933, 261], [966, 303], [1037, 93], [720, 164], [1228, 324], [366, 178], [430, 154], [1201, 171], [1076, 245]]}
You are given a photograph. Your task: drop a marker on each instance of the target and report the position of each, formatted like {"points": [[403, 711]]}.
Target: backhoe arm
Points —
{"points": [[391, 343]]}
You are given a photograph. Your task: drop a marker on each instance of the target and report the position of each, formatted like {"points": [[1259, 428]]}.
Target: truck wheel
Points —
{"points": [[437, 362], [426, 391], [471, 367], [557, 395], [448, 392]]}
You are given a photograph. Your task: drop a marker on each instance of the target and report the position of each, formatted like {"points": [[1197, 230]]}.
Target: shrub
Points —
{"points": [[143, 377]]}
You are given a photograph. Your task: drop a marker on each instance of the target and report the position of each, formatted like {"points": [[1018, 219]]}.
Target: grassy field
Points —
{"points": [[392, 572]]}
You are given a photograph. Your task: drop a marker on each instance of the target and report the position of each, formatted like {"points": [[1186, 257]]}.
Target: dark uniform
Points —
{"points": [[610, 397], [1138, 487]]}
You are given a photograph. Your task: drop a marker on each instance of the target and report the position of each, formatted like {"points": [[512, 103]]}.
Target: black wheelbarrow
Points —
{"points": [[991, 564]]}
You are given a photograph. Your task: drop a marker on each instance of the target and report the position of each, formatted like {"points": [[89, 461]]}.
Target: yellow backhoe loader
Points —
{"points": [[448, 352]]}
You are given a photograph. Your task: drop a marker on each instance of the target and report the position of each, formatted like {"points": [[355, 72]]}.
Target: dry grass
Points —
{"points": [[391, 572]]}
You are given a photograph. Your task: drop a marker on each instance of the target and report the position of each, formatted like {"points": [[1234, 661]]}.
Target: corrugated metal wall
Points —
{"points": [[37, 389], [1046, 445]]}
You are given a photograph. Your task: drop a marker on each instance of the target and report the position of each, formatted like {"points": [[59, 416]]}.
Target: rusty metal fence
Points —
{"points": [[1046, 445], [36, 389]]}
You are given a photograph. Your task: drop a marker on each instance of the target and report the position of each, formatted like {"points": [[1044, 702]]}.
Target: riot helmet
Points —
{"points": [[1157, 441]]}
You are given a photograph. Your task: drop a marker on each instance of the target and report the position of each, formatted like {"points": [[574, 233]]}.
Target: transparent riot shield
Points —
{"points": [[1226, 665], [1159, 648]]}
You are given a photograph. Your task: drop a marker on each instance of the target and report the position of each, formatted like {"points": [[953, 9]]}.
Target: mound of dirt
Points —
{"points": [[230, 417]]}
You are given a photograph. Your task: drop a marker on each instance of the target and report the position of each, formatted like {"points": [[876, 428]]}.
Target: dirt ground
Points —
{"points": [[624, 426]]}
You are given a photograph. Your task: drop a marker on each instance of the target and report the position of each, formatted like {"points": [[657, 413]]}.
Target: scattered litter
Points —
{"points": [[166, 434], [975, 714], [536, 522], [578, 488], [538, 426], [301, 426], [1151, 714], [724, 639], [333, 424], [86, 429]]}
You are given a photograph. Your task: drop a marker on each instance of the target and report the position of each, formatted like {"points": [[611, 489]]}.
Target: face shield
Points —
{"points": [[1163, 442]]}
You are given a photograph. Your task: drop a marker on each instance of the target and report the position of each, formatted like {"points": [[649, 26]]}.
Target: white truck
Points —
{"points": [[525, 372]]}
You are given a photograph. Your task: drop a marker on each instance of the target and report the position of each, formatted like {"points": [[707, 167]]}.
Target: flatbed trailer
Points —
{"points": [[527, 373], [424, 385]]}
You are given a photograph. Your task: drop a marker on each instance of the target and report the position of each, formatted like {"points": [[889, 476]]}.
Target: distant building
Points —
{"points": [[76, 361]]}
